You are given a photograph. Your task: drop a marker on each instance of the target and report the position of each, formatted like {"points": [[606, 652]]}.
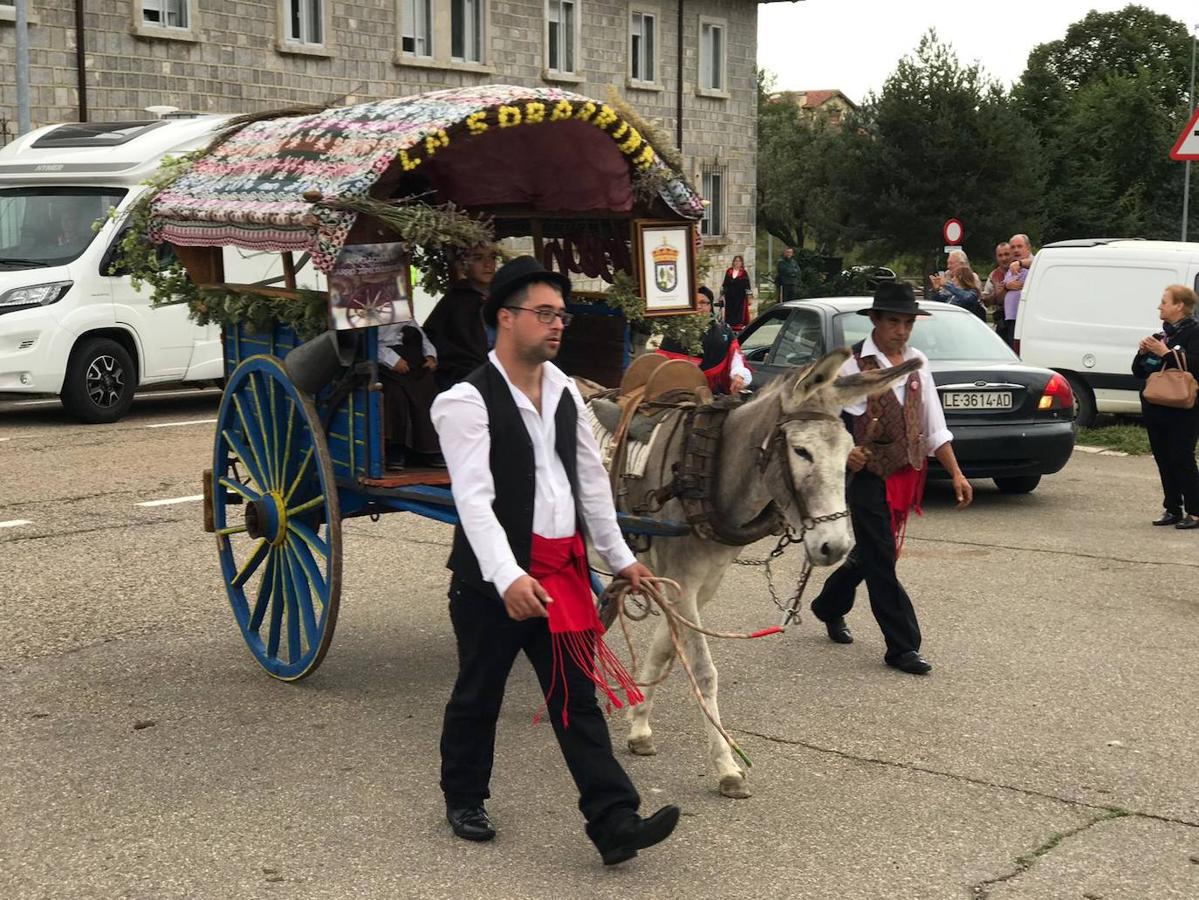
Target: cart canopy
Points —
{"points": [[510, 152]]}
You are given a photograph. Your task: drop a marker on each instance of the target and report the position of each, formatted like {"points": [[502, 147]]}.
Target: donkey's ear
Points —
{"points": [[850, 389], [816, 377]]}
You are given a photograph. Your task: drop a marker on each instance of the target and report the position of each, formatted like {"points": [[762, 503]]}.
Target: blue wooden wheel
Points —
{"points": [[277, 519]]}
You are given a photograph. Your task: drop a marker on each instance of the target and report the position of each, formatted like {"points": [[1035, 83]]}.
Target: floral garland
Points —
{"points": [[688, 330], [629, 140]]}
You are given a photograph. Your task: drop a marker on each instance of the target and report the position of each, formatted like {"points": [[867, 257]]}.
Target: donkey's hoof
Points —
{"points": [[735, 787], [643, 746]]}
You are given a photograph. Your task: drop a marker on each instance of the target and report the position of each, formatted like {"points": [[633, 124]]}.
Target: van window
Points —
{"points": [[1127, 294], [50, 226]]}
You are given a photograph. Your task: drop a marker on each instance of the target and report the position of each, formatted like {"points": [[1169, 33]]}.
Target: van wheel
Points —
{"points": [[1022, 484], [100, 382], [1084, 401]]}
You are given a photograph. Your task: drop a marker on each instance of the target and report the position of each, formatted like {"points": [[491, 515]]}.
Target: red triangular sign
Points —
{"points": [[1187, 145]]}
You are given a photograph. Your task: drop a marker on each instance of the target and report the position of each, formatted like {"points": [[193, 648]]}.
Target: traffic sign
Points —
{"points": [[1187, 145], [952, 231]]}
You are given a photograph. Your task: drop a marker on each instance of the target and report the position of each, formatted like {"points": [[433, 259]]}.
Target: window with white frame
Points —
{"points": [[166, 13], [711, 56], [416, 27], [643, 47], [562, 18], [712, 189], [306, 21], [466, 30]]}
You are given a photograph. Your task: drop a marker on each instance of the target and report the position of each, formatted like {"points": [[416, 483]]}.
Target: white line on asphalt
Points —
{"points": [[171, 500], [14, 523], [188, 422]]}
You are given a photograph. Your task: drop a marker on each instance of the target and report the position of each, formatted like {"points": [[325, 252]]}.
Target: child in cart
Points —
{"points": [[407, 361]]}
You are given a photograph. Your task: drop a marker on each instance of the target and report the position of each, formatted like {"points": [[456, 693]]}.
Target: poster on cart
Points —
{"points": [[369, 286], [666, 266]]}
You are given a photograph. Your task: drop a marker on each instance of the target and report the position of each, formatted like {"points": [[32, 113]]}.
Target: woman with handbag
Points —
{"points": [[1169, 362]]}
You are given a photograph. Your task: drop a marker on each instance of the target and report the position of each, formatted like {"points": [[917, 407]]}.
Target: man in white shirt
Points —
{"points": [[894, 434], [526, 473]]}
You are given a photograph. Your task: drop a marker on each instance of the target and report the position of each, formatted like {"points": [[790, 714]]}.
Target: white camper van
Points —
{"points": [[1086, 306], [67, 326]]}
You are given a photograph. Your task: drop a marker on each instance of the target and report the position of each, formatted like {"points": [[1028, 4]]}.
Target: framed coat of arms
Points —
{"points": [[665, 255]]}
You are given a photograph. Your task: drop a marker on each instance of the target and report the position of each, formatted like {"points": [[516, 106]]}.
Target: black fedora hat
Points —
{"points": [[512, 276], [898, 298]]}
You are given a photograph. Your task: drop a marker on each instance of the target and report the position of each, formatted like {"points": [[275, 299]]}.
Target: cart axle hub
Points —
{"points": [[267, 518]]}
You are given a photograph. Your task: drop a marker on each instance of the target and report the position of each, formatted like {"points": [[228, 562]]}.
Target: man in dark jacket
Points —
{"points": [[788, 275], [456, 324]]}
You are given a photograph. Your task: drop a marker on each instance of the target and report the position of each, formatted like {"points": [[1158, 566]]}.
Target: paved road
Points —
{"points": [[1052, 753]]}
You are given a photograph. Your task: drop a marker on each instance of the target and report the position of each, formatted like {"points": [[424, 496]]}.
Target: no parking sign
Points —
{"points": [[953, 232]]}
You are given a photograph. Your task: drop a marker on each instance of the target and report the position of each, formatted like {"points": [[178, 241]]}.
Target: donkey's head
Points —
{"points": [[817, 444]]}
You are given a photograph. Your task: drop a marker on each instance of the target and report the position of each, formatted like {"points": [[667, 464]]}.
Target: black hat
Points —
{"points": [[898, 298], [512, 276]]}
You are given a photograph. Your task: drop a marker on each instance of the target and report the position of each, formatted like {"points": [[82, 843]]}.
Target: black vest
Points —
{"points": [[512, 470]]}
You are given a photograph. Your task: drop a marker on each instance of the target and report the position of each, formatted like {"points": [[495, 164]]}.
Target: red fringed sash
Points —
{"points": [[560, 565], [905, 490]]}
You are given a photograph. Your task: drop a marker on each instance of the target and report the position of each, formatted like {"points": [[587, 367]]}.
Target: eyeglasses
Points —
{"points": [[545, 315]]}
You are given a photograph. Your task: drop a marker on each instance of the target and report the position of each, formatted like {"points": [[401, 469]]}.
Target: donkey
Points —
{"points": [[792, 423]]}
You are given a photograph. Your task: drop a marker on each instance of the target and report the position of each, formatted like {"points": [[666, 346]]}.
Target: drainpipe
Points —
{"points": [[80, 61], [22, 28], [679, 81]]}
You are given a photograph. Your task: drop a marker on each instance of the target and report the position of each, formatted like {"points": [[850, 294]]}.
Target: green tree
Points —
{"points": [[1107, 101], [940, 140], [796, 190]]}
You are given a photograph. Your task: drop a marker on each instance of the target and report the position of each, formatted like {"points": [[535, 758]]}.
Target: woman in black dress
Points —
{"points": [[1173, 431], [736, 292]]}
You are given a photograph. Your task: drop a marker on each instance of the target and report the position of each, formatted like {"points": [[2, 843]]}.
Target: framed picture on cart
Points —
{"points": [[665, 257]]}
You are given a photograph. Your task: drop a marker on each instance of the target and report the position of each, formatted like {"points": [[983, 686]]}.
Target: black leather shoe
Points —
{"points": [[623, 842], [911, 662], [838, 631], [470, 823], [1168, 518], [1187, 523]]}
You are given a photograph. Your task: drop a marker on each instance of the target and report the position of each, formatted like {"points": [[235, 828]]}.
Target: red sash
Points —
{"points": [[905, 490], [560, 565]]}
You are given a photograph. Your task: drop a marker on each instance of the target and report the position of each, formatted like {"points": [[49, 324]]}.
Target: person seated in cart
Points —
{"points": [[407, 362], [722, 362], [456, 324]]}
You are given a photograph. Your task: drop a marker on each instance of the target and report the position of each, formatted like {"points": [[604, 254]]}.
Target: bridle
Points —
{"points": [[775, 446]]}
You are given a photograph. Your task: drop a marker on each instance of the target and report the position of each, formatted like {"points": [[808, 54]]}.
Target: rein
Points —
{"points": [[776, 441]]}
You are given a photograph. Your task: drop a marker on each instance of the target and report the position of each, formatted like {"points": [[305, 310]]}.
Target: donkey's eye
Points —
{"points": [[802, 453]]}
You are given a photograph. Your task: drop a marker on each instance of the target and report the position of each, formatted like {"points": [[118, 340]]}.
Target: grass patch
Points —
{"points": [[1131, 439]]}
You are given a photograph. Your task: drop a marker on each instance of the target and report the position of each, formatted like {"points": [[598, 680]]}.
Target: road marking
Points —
{"points": [[15, 523], [188, 422], [170, 500]]}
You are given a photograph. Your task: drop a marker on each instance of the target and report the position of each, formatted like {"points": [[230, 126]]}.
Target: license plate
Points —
{"points": [[976, 400]]}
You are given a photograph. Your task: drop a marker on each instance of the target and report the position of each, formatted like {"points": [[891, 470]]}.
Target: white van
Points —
{"points": [[1086, 306], [67, 326]]}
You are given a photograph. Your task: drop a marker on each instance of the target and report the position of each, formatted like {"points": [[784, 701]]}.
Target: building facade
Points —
{"points": [[689, 66]]}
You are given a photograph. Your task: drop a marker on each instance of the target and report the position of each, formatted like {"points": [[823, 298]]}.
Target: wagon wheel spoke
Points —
{"points": [[278, 523]]}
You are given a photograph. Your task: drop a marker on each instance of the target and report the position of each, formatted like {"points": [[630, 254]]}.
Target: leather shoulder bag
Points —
{"points": [[1173, 387]]}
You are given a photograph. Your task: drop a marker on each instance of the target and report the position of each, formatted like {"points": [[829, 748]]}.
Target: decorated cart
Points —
{"points": [[365, 194]]}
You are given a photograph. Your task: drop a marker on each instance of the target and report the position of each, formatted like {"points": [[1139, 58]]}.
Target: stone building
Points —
{"points": [[234, 56]]}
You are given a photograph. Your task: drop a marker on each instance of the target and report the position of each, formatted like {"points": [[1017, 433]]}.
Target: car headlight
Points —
{"points": [[34, 295]]}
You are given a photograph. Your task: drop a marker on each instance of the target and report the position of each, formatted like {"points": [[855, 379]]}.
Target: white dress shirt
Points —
{"points": [[391, 335], [935, 430], [462, 425]]}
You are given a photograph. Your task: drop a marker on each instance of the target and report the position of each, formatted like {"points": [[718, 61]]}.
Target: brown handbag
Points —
{"points": [[1173, 387]]}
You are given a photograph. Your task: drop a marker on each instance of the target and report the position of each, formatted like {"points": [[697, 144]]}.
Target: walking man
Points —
{"points": [[894, 433], [527, 480]]}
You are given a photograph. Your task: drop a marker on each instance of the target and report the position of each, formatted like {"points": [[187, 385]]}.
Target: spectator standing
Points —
{"points": [[993, 290], [1014, 284], [1173, 431], [736, 292], [962, 289], [788, 275]]}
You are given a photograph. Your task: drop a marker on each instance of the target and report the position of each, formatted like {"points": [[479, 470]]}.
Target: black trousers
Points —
{"points": [[1172, 437], [872, 560], [488, 642]]}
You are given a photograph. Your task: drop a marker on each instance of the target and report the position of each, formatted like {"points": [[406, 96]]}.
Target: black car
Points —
{"points": [[1010, 421]]}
